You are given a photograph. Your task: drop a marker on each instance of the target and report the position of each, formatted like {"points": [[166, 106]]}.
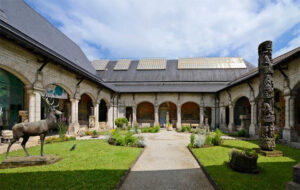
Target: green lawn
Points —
{"points": [[94, 164], [275, 172]]}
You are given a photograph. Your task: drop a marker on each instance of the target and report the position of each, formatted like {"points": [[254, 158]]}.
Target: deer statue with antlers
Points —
{"points": [[37, 128]]}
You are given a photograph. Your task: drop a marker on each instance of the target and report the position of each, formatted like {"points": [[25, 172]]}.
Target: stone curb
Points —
{"points": [[213, 183], [119, 185]]}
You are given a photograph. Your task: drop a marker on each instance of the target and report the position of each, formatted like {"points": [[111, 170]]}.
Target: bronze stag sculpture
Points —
{"points": [[41, 128]]}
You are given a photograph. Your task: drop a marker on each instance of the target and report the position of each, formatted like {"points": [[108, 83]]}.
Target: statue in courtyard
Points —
{"points": [[266, 87], [37, 128]]}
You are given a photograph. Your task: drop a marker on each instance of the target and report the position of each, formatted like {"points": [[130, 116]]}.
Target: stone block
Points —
{"points": [[292, 186], [274, 153], [296, 173], [15, 162]]}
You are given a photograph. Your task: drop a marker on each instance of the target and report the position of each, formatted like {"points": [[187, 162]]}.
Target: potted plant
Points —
{"points": [[243, 161]]}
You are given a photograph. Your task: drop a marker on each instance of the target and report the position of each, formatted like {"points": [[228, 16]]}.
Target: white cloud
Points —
{"points": [[173, 28]]}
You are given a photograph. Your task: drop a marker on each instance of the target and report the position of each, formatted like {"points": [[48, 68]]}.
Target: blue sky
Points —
{"points": [[114, 29]]}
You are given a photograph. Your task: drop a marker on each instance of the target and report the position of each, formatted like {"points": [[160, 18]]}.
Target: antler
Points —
{"points": [[49, 102]]}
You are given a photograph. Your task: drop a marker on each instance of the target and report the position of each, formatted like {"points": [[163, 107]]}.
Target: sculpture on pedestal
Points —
{"points": [[266, 89], [37, 128]]}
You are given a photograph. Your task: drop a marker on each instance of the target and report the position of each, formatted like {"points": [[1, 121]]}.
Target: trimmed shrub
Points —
{"points": [[120, 121]]}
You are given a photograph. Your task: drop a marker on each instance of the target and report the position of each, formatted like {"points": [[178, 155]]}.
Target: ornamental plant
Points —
{"points": [[121, 121]]}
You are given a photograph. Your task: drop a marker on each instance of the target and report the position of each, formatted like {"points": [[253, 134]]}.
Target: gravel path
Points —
{"points": [[166, 164]]}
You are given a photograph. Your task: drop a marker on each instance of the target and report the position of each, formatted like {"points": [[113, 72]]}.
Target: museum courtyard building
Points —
{"points": [[36, 59]]}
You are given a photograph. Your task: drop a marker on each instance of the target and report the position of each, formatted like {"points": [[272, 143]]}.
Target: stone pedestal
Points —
{"points": [[295, 184], [15, 162]]}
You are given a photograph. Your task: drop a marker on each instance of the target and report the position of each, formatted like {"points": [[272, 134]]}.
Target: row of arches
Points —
{"points": [[167, 111], [13, 99], [242, 107]]}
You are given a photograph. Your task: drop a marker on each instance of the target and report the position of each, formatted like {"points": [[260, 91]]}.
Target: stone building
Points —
{"points": [[37, 59]]}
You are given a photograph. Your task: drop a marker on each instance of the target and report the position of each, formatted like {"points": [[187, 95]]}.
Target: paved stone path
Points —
{"points": [[166, 164]]}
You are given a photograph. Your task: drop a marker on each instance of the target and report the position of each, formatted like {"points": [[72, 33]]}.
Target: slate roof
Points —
{"points": [[170, 74], [170, 79]]}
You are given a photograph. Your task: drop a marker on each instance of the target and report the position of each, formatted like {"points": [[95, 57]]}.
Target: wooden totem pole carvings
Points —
{"points": [[266, 89]]}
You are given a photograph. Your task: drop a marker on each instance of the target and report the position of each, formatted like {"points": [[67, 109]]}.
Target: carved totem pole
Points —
{"points": [[266, 89]]}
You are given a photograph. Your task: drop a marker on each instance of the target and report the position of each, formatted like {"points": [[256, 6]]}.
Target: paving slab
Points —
{"points": [[166, 163]]}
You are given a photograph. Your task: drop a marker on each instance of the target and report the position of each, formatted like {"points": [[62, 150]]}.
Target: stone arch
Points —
{"points": [[169, 109], [279, 109], [85, 109], [103, 111], [190, 113], [145, 112], [187, 101], [64, 104], [90, 95], [242, 106], [20, 76], [12, 99], [70, 93]]}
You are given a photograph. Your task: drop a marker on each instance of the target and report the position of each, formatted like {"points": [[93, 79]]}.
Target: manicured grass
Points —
{"points": [[94, 164], [275, 172]]}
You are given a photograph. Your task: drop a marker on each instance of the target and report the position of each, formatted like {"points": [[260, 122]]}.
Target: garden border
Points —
{"points": [[124, 177], [213, 183]]}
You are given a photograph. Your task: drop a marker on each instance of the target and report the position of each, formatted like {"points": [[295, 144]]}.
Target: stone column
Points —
{"points": [[222, 117], [96, 114], [202, 116], [178, 125], [213, 118], [252, 128], [286, 133], [74, 126], [156, 122], [34, 111], [231, 118], [31, 106], [110, 116], [134, 121]]}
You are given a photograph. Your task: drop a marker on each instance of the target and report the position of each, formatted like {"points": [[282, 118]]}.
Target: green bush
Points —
{"points": [[208, 140], [192, 140], [217, 140], [130, 139], [154, 129], [95, 132], [243, 133], [188, 128], [120, 121], [120, 141], [183, 128]]}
